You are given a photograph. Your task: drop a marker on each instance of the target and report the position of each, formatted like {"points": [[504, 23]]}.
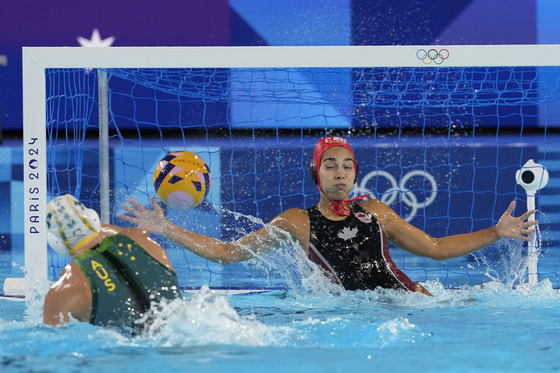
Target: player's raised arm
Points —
{"points": [[272, 235], [412, 239], [154, 221]]}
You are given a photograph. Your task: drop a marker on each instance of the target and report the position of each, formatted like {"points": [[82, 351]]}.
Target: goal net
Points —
{"points": [[439, 134]]}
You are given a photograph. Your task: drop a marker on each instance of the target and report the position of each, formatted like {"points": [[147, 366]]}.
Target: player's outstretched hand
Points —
{"points": [[510, 226], [152, 220]]}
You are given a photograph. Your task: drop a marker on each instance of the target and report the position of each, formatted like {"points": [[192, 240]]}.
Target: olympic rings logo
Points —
{"points": [[432, 55], [400, 189]]}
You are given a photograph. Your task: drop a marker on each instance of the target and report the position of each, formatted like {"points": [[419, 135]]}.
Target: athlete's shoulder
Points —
{"points": [[138, 235], [70, 294], [387, 217], [134, 232], [295, 221], [373, 205], [71, 281], [294, 216], [378, 209]]}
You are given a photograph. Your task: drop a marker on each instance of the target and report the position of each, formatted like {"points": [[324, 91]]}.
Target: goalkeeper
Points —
{"points": [[116, 275], [346, 237]]}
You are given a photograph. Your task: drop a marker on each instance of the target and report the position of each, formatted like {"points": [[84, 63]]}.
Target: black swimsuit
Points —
{"points": [[354, 251], [124, 279]]}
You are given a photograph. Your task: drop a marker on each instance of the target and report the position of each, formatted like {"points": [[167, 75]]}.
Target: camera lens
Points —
{"points": [[527, 177]]}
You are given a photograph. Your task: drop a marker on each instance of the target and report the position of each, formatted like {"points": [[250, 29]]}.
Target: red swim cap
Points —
{"points": [[323, 145], [341, 207]]}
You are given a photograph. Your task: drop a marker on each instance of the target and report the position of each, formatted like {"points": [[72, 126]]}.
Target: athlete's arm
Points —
{"points": [[414, 240], [284, 226]]}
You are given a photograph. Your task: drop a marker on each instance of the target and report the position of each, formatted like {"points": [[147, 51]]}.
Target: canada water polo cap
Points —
{"points": [[70, 223], [340, 207], [323, 145]]}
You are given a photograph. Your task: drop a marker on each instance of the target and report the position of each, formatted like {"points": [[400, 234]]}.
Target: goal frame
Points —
{"points": [[37, 59]]}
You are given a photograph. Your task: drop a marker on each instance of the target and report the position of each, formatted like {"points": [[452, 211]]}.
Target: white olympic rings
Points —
{"points": [[400, 189]]}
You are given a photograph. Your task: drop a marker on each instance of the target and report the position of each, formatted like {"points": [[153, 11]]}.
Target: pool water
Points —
{"points": [[479, 329], [313, 326]]}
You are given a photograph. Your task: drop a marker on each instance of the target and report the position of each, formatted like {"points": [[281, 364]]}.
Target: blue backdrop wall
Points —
{"points": [[261, 22]]}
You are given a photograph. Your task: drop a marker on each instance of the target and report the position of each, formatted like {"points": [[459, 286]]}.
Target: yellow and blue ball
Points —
{"points": [[182, 180]]}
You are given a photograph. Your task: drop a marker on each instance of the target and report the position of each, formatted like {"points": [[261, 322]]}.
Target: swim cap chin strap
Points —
{"points": [[342, 207], [82, 242]]}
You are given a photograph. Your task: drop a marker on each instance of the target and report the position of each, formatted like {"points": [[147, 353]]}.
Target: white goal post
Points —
{"points": [[37, 59]]}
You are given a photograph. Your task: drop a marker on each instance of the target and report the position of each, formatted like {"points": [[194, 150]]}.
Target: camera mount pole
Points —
{"points": [[532, 177]]}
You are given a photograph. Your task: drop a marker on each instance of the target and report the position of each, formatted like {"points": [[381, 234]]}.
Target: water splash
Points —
{"points": [[286, 259], [398, 329], [205, 318], [507, 261], [504, 262]]}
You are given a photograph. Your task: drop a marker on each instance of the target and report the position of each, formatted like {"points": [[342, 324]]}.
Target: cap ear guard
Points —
{"points": [[313, 172], [93, 218], [57, 243], [69, 223]]}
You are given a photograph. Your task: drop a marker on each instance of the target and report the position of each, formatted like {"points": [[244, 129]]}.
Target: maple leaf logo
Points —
{"points": [[348, 233]]}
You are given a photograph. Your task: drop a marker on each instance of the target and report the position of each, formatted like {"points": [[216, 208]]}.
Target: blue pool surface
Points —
{"points": [[490, 329]]}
